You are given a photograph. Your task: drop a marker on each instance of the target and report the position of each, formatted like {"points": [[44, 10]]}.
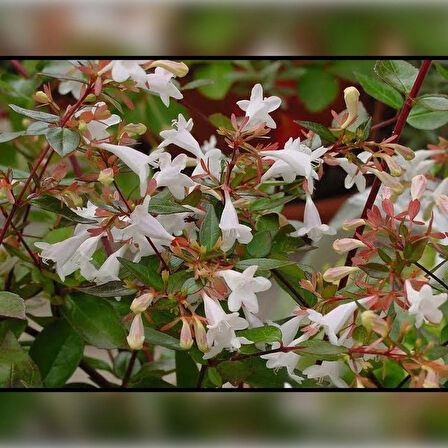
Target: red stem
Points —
{"points": [[19, 67], [396, 133]]}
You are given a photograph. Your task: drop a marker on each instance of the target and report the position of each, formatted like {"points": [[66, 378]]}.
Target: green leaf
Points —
{"points": [[156, 337], [422, 118], [8, 136], [37, 128], [442, 70], [121, 363], [322, 350], [269, 333], [191, 286], [264, 264], [414, 251], [433, 102], [186, 370], [375, 270], [51, 204], [197, 83], [234, 371], [380, 90], [319, 129], [317, 89], [144, 273], [95, 320], [17, 369], [165, 207], [215, 71], [209, 231], [35, 114], [220, 121], [57, 351], [63, 140], [398, 74], [12, 305], [110, 289], [260, 245]]}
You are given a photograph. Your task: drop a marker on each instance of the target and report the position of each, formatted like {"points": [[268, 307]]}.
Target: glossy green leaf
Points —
{"points": [[35, 114], [267, 333], [319, 129], [110, 289], [186, 370], [156, 337], [422, 118], [144, 273], [322, 350], [380, 90], [209, 231], [317, 89], [261, 244], [433, 102], [264, 264], [12, 305], [217, 72], [397, 73], [63, 140]]}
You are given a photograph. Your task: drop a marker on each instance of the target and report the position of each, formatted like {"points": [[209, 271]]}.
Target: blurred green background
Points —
{"points": [[276, 29]]}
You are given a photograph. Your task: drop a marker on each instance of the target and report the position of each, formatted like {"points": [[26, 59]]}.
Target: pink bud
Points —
{"points": [[343, 245], [442, 204], [186, 339], [352, 224], [139, 304], [200, 335], [386, 193], [333, 275], [394, 168], [372, 322], [136, 333], [418, 186]]}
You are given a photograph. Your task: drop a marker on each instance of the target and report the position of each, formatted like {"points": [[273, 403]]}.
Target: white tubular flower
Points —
{"points": [[108, 272], [298, 161], [142, 224], [135, 160], [286, 359], [136, 336], [160, 84], [221, 328], [354, 175], [97, 128], [181, 136], [419, 164], [343, 245], [442, 204], [244, 286], [330, 369], [351, 98], [123, 70], [424, 304], [170, 174], [231, 229], [211, 157], [313, 226], [259, 108], [175, 223], [335, 320]]}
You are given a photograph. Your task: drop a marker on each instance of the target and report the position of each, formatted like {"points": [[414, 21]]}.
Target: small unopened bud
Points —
{"points": [[386, 193], [75, 198], [351, 98], [372, 322], [191, 161], [165, 276], [134, 129], [352, 224], [186, 339], [136, 333], [90, 98], [106, 176], [333, 275], [140, 304], [343, 245], [176, 68], [200, 335], [404, 151], [82, 126], [442, 204], [394, 168], [418, 186], [41, 97], [387, 179]]}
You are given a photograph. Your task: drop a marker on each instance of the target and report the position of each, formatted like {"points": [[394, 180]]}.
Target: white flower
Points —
{"points": [[123, 70], [424, 305], [419, 164], [259, 108], [143, 224], [160, 83], [354, 175], [313, 226], [330, 369], [135, 160], [231, 229], [170, 174], [136, 336], [221, 328], [334, 321], [73, 87], [181, 136], [69, 86], [97, 128], [244, 286], [175, 223], [286, 359], [298, 162], [109, 270], [212, 159]]}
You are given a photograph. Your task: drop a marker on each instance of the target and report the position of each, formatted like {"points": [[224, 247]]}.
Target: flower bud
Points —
{"points": [[351, 98], [176, 68], [106, 176], [442, 204], [372, 322], [186, 339], [200, 335], [404, 151], [90, 98], [333, 275], [418, 186], [352, 224], [387, 179], [41, 97], [394, 168], [343, 245], [136, 333], [82, 126], [134, 129], [140, 304], [386, 193]]}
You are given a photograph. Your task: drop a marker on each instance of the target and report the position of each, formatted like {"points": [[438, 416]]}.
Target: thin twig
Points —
{"points": [[201, 375], [127, 375], [432, 275], [294, 292]]}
